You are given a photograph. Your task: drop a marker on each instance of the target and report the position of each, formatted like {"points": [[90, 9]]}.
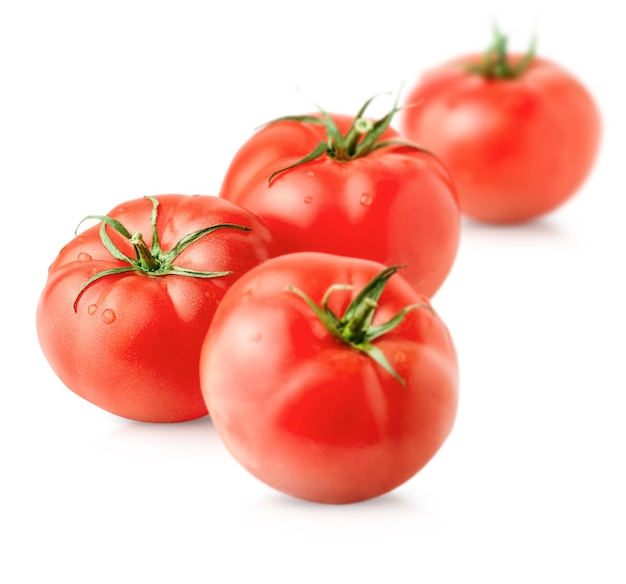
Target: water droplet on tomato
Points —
{"points": [[400, 357], [92, 308], [366, 199], [84, 257], [308, 200], [310, 173], [108, 316]]}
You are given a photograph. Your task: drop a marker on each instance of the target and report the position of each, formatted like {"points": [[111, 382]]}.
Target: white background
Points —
{"points": [[102, 102]]}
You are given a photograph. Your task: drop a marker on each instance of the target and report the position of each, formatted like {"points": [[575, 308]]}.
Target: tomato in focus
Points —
{"points": [[329, 378], [122, 320], [518, 133], [351, 186]]}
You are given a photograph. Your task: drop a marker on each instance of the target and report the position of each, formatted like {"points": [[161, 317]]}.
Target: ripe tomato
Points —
{"points": [[125, 333], [350, 186], [518, 133], [328, 380]]}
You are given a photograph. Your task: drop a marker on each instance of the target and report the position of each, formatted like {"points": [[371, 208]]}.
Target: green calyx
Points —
{"points": [[151, 261], [362, 138], [496, 64], [355, 327]]}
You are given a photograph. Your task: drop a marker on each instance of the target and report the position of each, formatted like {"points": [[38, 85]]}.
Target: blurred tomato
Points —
{"points": [[518, 133]]}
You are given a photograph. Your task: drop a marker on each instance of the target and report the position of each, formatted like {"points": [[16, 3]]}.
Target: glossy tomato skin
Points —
{"points": [[517, 148], [309, 415], [396, 205], [132, 346]]}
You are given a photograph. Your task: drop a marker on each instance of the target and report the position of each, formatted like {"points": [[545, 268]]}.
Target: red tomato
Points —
{"points": [[353, 187], [130, 341], [518, 133], [326, 379]]}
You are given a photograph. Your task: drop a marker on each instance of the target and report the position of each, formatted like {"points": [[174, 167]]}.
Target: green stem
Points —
{"points": [[144, 255], [363, 137], [355, 327], [495, 63], [155, 262], [360, 127]]}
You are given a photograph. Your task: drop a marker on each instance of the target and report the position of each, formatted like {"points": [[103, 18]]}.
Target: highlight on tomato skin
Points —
{"points": [[353, 186], [519, 134], [329, 378], [128, 301]]}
